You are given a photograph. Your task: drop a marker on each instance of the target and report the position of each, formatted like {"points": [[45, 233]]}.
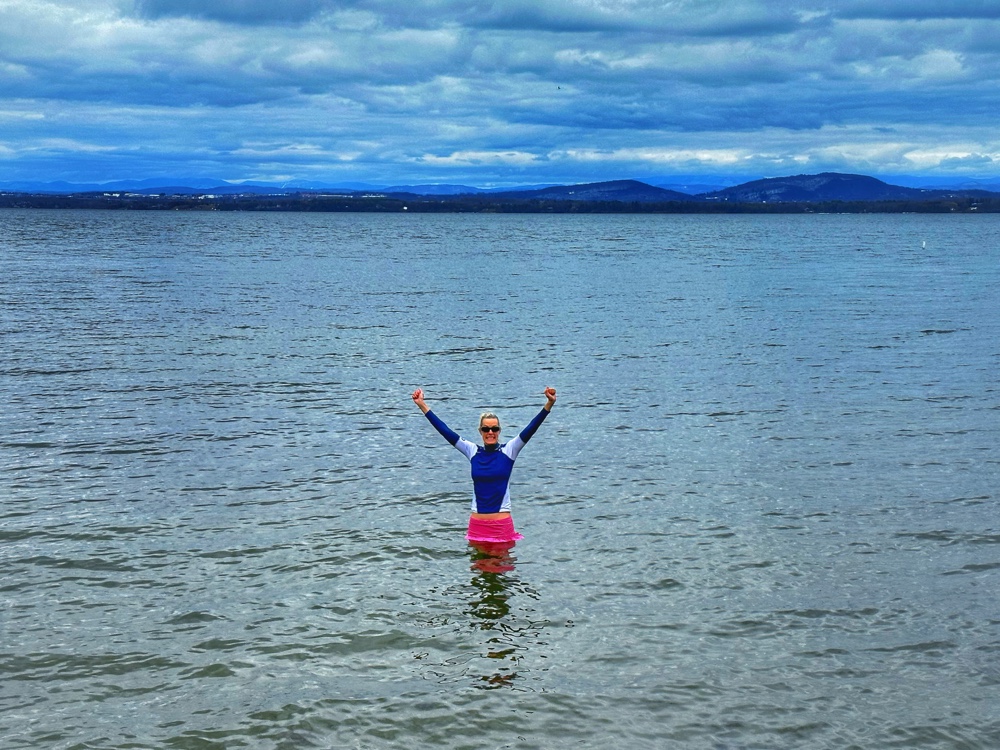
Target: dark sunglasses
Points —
{"points": [[495, 428]]}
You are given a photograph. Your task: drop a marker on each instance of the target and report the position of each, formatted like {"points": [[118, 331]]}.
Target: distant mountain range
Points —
{"points": [[825, 187], [627, 191], [202, 186]]}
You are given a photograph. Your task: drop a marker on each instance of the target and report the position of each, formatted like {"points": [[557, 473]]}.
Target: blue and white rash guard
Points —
{"points": [[491, 467]]}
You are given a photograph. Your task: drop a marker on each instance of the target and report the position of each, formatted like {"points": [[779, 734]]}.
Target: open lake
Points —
{"points": [[763, 513]]}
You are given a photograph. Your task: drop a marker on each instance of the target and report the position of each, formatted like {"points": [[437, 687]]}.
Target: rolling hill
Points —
{"points": [[827, 186]]}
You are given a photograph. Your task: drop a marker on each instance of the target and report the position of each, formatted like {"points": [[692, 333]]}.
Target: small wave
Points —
{"points": [[194, 618]]}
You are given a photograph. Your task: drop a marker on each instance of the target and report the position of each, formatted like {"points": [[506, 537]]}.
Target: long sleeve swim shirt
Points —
{"points": [[491, 467]]}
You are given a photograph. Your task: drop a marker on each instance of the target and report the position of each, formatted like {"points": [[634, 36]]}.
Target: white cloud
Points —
{"points": [[659, 157], [21, 114], [479, 158], [940, 64], [932, 66], [955, 156]]}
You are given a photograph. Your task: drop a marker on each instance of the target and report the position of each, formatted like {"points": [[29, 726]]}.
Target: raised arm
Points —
{"points": [[446, 432], [534, 424]]}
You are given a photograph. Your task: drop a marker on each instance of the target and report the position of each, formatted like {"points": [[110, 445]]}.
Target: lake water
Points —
{"points": [[762, 514]]}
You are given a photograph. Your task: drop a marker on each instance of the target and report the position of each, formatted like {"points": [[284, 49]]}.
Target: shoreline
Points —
{"points": [[327, 203]]}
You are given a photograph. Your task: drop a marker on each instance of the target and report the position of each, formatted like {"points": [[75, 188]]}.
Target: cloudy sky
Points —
{"points": [[496, 92]]}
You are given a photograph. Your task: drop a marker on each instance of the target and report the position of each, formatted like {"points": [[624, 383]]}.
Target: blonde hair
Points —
{"points": [[488, 415]]}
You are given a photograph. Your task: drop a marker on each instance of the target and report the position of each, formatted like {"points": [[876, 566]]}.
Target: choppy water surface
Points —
{"points": [[763, 513]]}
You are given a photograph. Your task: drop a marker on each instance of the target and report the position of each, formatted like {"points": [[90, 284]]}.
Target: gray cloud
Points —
{"points": [[250, 12], [677, 17], [920, 9], [445, 89]]}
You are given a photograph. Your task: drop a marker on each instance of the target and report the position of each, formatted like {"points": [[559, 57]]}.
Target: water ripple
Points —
{"points": [[760, 517]]}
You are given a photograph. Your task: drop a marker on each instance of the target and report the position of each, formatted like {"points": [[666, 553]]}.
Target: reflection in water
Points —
{"points": [[496, 585], [492, 557]]}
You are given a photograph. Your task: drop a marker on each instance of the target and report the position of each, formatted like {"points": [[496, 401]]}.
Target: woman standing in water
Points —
{"points": [[492, 464]]}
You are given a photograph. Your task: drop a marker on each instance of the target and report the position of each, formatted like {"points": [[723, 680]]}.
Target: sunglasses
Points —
{"points": [[495, 428]]}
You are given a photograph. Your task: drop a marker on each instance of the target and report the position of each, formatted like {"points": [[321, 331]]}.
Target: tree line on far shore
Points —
{"points": [[478, 204]]}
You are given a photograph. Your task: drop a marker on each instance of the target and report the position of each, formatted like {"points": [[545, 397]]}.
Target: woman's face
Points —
{"points": [[490, 430]]}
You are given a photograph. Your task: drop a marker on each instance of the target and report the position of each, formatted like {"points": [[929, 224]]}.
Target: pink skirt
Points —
{"points": [[492, 530]]}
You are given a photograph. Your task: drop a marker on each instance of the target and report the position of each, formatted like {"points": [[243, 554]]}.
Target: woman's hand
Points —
{"points": [[550, 398], [418, 399]]}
